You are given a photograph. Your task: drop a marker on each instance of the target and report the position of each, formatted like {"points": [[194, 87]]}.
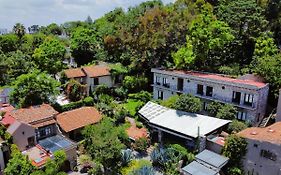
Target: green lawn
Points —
{"points": [[132, 106]]}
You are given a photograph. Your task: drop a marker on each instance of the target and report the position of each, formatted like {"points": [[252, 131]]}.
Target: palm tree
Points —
{"points": [[19, 30]]}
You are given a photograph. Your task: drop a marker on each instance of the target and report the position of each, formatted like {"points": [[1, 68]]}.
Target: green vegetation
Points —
{"points": [[188, 103], [133, 106], [33, 89]]}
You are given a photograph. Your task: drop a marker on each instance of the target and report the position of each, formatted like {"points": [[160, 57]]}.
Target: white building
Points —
{"points": [[93, 76], [248, 95], [263, 155]]}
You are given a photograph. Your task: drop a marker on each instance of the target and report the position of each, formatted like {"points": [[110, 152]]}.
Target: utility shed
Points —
{"points": [[195, 168], [210, 158]]}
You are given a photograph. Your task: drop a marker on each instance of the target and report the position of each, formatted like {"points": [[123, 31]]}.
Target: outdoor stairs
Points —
{"points": [[265, 120], [150, 149]]}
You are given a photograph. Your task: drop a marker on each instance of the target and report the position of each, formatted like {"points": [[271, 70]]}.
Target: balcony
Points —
{"points": [[167, 85]]}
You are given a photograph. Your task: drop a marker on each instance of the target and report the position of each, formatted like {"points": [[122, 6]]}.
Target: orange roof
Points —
{"points": [[97, 71], [44, 123], [34, 113], [74, 73], [220, 78], [136, 133], [78, 118], [270, 134]]}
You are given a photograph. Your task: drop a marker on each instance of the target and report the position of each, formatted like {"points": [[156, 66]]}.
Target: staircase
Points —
{"points": [[265, 120]]}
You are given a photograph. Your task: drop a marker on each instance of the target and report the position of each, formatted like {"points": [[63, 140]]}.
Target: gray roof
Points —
{"points": [[195, 168], [183, 122], [212, 158]]}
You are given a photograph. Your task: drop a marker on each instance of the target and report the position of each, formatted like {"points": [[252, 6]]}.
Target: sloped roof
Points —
{"points": [[196, 168], [212, 158], [34, 113], [74, 73], [179, 121], [97, 71], [78, 118], [270, 133]]}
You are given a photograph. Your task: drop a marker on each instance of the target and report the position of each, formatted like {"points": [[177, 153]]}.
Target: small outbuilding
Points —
{"points": [[72, 122]]}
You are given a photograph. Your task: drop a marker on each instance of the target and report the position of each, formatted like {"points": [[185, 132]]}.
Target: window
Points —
{"points": [[223, 87], [209, 91], [268, 154], [160, 95], [199, 89], [180, 84], [248, 99], [165, 83], [96, 81], [37, 134], [47, 131], [158, 80], [236, 96], [241, 115]]}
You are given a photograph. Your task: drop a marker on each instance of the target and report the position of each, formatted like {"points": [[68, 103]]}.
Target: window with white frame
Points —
{"points": [[37, 134], [248, 99], [157, 80], [160, 95], [165, 82], [241, 115], [48, 131]]}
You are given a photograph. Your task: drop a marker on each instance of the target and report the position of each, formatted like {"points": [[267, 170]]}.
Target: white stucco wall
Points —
{"points": [[221, 92], [21, 135], [254, 162]]}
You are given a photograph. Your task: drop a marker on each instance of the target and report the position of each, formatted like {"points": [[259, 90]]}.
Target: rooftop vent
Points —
{"points": [[253, 133], [270, 130]]}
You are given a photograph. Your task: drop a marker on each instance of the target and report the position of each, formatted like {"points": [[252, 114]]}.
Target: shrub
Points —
{"points": [[188, 103], [141, 144], [170, 102], [135, 84], [88, 101], [143, 96], [236, 126], [139, 124], [213, 108], [135, 165], [127, 157], [227, 112]]}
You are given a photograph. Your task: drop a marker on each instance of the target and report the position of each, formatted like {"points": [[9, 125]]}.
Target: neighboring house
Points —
{"points": [[189, 128], [5, 111], [246, 93], [4, 95], [45, 149], [23, 135], [92, 76], [278, 115], [41, 118], [205, 163], [263, 155], [72, 122]]}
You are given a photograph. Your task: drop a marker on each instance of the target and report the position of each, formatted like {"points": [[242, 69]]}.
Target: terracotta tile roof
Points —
{"points": [[44, 123], [34, 113], [78, 118], [136, 133], [74, 73], [220, 78], [270, 134], [97, 71], [7, 120]]}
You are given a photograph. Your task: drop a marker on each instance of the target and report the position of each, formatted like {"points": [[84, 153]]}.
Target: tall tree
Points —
{"points": [[206, 36], [188, 103], [267, 62], [19, 30], [104, 145], [49, 55], [84, 45], [18, 164], [235, 148], [33, 89]]}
